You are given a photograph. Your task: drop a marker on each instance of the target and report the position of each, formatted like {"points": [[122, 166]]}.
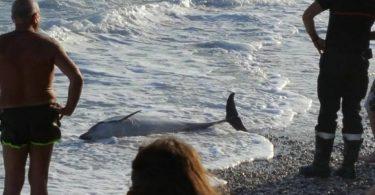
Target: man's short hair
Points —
{"points": [[24, 9]]}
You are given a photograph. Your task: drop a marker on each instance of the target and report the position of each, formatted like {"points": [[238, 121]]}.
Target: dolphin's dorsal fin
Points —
{"points": [[128, 116], [232, 114]]}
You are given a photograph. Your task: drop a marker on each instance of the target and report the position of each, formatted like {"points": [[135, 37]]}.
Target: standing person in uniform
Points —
{"points": [[342, 81], [30, 113]]}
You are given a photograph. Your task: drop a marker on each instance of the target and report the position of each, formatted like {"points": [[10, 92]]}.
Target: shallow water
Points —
{"points": [[178, 60]]}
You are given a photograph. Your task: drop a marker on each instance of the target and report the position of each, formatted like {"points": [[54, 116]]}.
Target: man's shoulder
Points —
{"points": [[35, 36], [5, 39], [48, 42], [6, 36], [45, 38], [33, 40]]}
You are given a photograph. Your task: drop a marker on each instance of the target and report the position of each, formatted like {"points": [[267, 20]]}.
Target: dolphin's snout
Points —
{"points": [[85, 136]]}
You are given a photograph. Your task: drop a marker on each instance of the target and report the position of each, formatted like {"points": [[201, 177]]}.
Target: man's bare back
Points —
{"points": [[27, 61], [26, 69]]}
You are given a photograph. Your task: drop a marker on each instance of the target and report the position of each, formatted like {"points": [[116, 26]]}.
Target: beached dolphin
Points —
{"points": [[135, 125]]}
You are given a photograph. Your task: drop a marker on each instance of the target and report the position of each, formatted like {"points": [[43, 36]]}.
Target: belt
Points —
{"points": [[366, 53]]}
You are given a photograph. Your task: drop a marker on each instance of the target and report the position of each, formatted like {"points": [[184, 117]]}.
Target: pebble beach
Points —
{"points": [[280, 175]]}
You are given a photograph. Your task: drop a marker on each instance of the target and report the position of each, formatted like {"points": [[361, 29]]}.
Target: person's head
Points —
{"points": [[169, 166], [26, 13]]}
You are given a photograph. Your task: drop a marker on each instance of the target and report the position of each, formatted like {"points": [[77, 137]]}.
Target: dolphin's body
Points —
{"points": [[136, 125]]}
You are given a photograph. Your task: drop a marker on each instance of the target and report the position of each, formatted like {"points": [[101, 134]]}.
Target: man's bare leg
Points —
{"points": [[40, 157], [14, 163]]}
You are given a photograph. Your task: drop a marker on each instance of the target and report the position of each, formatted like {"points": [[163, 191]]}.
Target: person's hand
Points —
{"points": [[63, 111], [320, 45]]}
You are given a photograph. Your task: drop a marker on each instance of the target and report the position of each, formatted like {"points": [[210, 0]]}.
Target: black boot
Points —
{"points": [[322, 156], [351, 151]]}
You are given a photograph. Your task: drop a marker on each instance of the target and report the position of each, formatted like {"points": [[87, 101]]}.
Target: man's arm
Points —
{"points": [[308, 20], [372, 35], [67, 66]]}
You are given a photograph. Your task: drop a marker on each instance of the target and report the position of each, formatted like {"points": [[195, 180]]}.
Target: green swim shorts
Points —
{"points": [[37, 125]]}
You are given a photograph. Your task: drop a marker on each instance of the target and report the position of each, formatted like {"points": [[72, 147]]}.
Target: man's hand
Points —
{"points": [[63, 111], [320, 45]]}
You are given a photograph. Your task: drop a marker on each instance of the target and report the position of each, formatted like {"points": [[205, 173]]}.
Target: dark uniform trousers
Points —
{"points": [[343, 80]]}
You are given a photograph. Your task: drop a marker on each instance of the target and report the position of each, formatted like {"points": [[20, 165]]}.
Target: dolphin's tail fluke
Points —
{"points": [[232, 115]]}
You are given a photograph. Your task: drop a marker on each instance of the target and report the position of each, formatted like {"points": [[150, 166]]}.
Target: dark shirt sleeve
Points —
{"points": [[325, 4]]}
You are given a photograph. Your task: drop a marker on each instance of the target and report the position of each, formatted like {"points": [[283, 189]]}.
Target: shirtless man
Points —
{"points": [[30, 113]]}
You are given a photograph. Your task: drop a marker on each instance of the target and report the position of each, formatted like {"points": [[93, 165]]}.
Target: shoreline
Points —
{"points": [[280, 174]]}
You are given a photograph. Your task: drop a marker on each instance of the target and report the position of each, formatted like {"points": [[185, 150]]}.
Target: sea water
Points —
{"points": [[179, 60]]}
